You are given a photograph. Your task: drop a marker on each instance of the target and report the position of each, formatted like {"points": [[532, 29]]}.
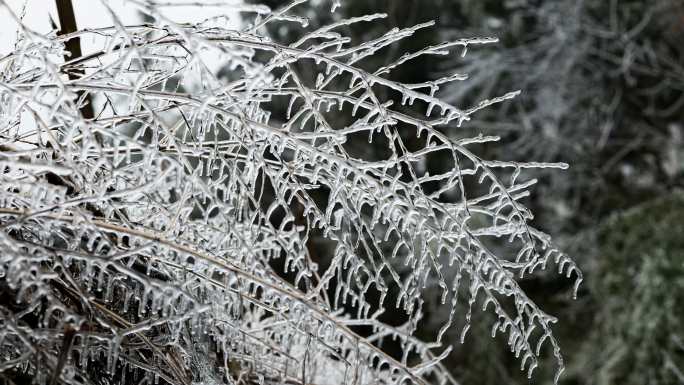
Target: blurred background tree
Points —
{"points": [[602, 89]]}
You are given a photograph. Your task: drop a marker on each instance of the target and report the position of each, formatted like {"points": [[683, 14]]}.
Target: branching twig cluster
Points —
{"points": [[138, 244]]}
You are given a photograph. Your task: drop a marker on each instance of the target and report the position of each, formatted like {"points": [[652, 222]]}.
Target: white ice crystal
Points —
{"points": [[140, 242]]}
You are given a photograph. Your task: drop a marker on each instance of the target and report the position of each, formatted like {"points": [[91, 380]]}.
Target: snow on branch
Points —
{"points": [[140, 242]]}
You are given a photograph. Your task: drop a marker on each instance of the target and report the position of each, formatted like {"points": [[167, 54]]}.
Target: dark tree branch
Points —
{"points": [[67, 22]]}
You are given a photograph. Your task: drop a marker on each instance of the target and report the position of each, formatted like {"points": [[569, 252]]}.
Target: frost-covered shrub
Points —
{"points": [[602, 89], [640, 279], [145, 200]]}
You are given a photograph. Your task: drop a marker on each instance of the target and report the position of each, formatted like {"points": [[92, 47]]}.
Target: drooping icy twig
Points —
{"points": [[152, 228]]}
